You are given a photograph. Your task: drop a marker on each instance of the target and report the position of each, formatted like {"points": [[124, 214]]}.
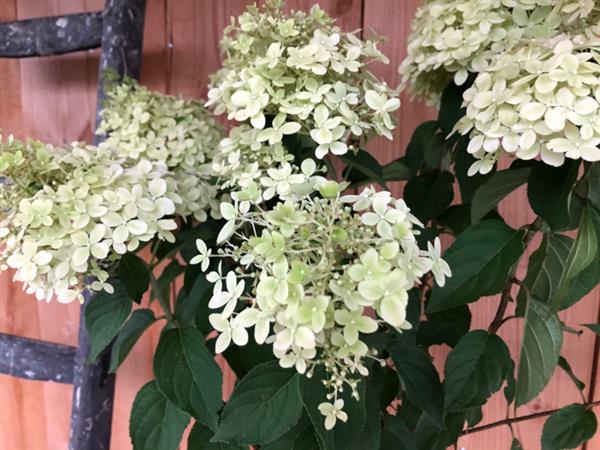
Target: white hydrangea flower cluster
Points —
{"points": [[542, 99], [309, 271], [297, 73], [66, 214], [452, 38], [140, 123]]}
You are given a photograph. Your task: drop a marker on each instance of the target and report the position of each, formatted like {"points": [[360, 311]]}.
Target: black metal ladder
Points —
{"points": [[118, 32]]}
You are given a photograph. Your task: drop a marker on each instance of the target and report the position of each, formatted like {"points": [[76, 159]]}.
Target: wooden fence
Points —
{"points": [[53, 99]]}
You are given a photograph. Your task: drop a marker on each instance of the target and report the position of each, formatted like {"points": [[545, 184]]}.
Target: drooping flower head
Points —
{"points": [[309, 270], [285, 74], [542, 98], [180, 133], [452, 38], [67, 213]]}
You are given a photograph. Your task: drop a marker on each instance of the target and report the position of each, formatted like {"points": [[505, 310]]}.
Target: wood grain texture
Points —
{"points": [[54, 99]]}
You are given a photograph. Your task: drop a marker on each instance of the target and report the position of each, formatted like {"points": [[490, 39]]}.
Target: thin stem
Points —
{"points": [[505, 297], [512, 420]]}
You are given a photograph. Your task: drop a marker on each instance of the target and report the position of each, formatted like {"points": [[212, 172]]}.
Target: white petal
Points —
{"points": [[532, 111]]}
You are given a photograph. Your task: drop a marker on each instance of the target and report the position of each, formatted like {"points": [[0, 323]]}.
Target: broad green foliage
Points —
{"points": [[326, 301], [540, 350], [481, 258], [569, 428], [156, 424]]}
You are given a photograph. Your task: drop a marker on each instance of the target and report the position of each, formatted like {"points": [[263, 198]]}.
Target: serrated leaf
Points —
{"points": [[313, 392], [396, 435], [424, 141], [396, 171], [556, 183], [498, 186], [429, 437], [581, 255], [133, 329], [370, 435], [134, 276], [288, 440], [564, 365], [104, 315], [243, 359], [192, 304], [540, 350], [264, 405], [451, 109], [188, 375], [480, 259], [445, 327], [366, 164], [419, 378], [457, 218], [429, 194], [200, 437], [475, 369], [568, 428], [155, 423], [516, 445], [595, 327]]}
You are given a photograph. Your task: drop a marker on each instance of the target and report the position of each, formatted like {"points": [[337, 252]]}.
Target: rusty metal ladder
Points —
{"points": [[118, 32]]}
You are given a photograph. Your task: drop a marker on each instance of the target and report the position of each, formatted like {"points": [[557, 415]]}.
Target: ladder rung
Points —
{"points": [[52, 35], [36, 360]]}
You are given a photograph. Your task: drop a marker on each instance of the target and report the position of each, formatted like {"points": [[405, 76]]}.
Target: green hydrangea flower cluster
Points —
{"points": [[140, 123], [542, 98], [451, 39], [68, 213], [309, 269], [297, 73]]}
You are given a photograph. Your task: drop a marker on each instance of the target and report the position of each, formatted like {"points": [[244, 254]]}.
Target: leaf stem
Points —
{"points": [[161, 300], [505, 297], [512, 420]]}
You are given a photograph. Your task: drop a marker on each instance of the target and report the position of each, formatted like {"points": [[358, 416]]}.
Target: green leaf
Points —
{"points": [[133, 329], [457, 218], [429, 194], [480, 259], [568, 428], [134, 276], [169, 274], [188, 375], [366, 164], [396, 171], [511, 383], [243, 359], [370, 435], [592, 184], [498, 186], [540, 350], [419, 378], [424, 141], [564, 365], [155, 424], [445, 327], [342, 436], [430, 437], [474, 415], [595, 327], [192, 306], [462, 161], [200, 437], [581, 255], [516, 445], [475, 369], [396, 435], [104, 315], [451, 109], [264, 405], [293, 437], [556, 183]]}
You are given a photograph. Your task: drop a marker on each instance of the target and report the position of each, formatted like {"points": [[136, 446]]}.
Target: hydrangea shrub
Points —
{"points": [[323, 292]]}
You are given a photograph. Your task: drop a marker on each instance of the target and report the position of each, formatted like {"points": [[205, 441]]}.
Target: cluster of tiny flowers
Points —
{"points": [[67, 213], [313, 274], [141, 124], [452, 38], [297, 73], [542, 99]]}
